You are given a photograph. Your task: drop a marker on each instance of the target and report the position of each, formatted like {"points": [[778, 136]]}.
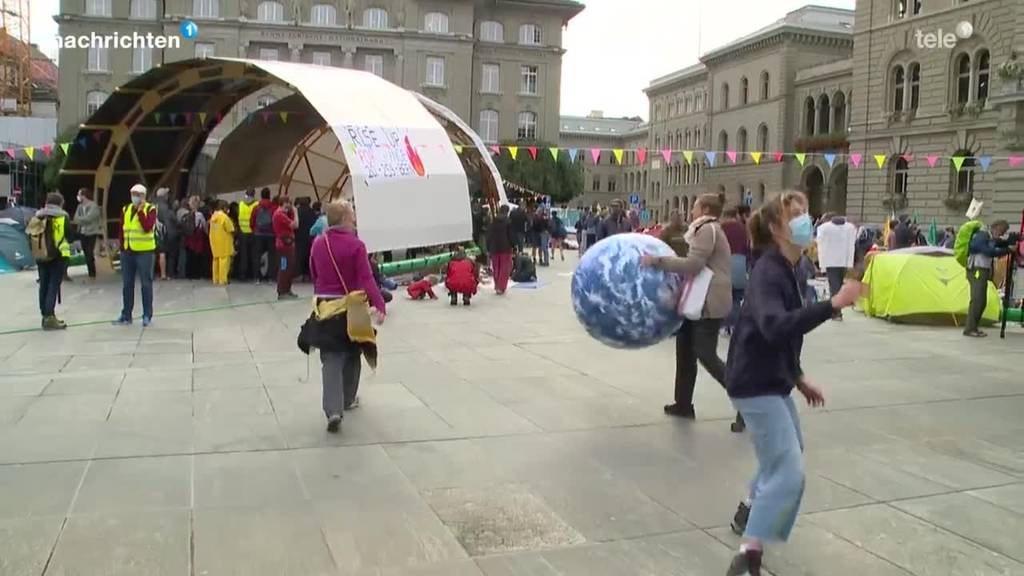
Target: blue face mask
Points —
{"points": [[801, 230], [137, 200]]}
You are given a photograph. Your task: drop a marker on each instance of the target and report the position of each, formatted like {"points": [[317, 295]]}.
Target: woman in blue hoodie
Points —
{"points": [[763, 368]]}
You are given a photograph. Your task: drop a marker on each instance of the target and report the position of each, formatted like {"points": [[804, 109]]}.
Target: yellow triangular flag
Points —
{"points": [[513, 151], [554, 153], [958, 161], [202, 118], [756, 157], [618, 155], [880, 160], [284, 116], [30, 152], [64, 146], [801, 157], [688, 154], [458, 148]]}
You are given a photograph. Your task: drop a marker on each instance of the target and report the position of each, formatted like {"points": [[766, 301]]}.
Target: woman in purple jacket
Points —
{"points": [[339, 251]]}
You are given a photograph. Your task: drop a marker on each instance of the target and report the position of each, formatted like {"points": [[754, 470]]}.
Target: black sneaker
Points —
{"points": [[334, 423], [748, 562], [353, 404], [740, 425], [739, 521], [681, 411]]}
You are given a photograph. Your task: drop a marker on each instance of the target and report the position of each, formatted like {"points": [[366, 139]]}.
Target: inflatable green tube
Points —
{"points": [[405, 266], [1013, 314]]}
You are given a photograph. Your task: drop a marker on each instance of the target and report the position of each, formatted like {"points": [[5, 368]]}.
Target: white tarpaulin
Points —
{"points": [[409, 185]]}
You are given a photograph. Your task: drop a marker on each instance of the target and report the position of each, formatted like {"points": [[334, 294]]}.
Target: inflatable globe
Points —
{"points": [[620, 303]]}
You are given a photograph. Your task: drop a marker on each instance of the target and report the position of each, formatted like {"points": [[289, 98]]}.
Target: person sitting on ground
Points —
{"points": [[380, 279], [523, 269], [462, 277], [422, 288]]}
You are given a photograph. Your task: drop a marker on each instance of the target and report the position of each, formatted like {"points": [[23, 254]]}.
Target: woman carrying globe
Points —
{"points": [[763, 368]]}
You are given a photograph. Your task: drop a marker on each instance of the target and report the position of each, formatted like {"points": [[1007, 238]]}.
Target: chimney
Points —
{"points": [[596, 114]]}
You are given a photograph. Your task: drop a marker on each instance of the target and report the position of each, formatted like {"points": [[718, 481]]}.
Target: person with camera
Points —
{"points": [[985, 247]]}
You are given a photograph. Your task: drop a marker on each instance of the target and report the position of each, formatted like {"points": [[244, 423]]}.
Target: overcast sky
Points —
{"points": [[614, 48]]}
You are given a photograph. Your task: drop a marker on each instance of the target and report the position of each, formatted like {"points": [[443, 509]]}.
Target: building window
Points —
{"points": [[491, 79], [596, 184], [142, 60], [491, 31], [915, 85], [527, 126], [744, 91], [93, 101], [765, 85], [963, 79], [900, 9], [530, 35], [915, 7], [144, 9], [268, 54], [435, 71], [322, 58], [323, 15], [436, 22], [725, 96], [839, 112], [723, 141], [99, 60], [489, 125], [264, 100], [898, 88], [97, 7], [762, 138], [205, 50], [965, 177], [270, 11], [206, 8], [824, 113], [672, 109], [741, 140], [376, 18], [809, 116], [983, 75], [611, 183], [374, 64], [900, 179], [686, 140], [528, 79]]}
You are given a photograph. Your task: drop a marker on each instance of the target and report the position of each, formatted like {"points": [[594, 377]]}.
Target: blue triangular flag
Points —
{"points": [[82, 142], [572, 154], [711, 157], [173, 117], [985, 162], [830, 158]]}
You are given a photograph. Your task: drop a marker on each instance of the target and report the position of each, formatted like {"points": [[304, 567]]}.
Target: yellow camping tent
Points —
{"points": [[921, 288]]}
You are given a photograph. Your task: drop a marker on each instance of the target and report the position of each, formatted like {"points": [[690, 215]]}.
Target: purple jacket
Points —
{"points": [[353, 262]]}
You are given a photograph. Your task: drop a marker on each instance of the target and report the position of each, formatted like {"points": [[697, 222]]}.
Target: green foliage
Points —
{"points": [[561, 180]]}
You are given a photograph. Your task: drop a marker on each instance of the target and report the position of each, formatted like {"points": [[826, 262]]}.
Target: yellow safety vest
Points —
{"points": [[135, 238], [245, 216], [60, 239]]}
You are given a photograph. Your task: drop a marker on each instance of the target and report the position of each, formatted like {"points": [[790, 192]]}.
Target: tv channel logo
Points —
{"points": [[189, 30], [943, 39]]}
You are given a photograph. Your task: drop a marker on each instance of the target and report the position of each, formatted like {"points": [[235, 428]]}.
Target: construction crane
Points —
{"points": [[15, 58]]}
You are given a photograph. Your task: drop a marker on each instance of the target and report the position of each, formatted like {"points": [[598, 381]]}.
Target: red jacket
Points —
{"points": [[421, 288], [283, 230], [263, 204], [462, 276]]}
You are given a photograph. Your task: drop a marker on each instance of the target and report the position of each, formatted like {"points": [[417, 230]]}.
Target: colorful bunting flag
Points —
{"points": [[97, 136], [688, 155], [731, 154], [266, 116], [202, 118], [667, 155], [830, 159], [1015, 161], [641, 156], [458, 148], [932, 159], [880, 160], [710, 157], [173, 117], [64, 146], [47, 149], [533, 151], [756, 157], [856, 158], [801, 157], [82, 142], [284, 116], [985, 162], [617, 154], [188, 118], [958, 162], [156, 117], [495, 150], [513, 151], [573, 152], [10, 152], [30, 152], [554, 153], [777, 156], [595, 155], [908, 158]]}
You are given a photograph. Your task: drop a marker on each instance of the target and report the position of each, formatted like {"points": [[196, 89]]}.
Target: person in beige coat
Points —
{"points": [[697, 340]]}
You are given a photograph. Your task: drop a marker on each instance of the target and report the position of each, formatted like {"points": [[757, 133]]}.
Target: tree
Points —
{"points": [[562, 180]]}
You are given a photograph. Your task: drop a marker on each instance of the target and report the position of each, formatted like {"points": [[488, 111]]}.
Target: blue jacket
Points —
{"points": [[764, 352], [983, 243]]}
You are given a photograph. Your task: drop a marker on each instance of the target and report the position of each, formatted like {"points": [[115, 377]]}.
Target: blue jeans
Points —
{"points": [[51, 274], [545, 244], [137, 264], [778, 487]]}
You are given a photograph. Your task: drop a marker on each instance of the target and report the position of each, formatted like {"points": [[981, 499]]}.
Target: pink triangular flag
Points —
{"points": [[1015, 161], [266, 116], [856, 158], [46, 149], [97, 136], [494, 150], [533, 151], [731, 154], [932, 159], [777, 156], [595, 155], [10, 152], [641, 156], [667, 155], [908, 158]]}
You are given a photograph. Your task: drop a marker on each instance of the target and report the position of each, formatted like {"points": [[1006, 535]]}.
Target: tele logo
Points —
{"points": [[942, 39]]}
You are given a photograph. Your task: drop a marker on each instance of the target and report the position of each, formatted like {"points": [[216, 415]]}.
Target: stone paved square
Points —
{"points": [[493, 440]]}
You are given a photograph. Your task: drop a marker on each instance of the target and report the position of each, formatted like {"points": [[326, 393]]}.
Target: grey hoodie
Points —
{"points": [[87, 219]]}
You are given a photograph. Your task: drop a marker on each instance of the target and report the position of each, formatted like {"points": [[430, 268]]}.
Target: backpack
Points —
{"points": [[40, 239], [962, 245], [188, 223], [264, 221]]}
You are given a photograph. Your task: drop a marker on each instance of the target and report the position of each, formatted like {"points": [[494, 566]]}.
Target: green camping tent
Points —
{"points": [[921, 287]]}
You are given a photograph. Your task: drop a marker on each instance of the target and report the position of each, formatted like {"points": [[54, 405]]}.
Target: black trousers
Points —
{"points": [[51, 274], [835, 277], [979, 279], [697, 341], [244, 268], [89, 250], [263, 246]]}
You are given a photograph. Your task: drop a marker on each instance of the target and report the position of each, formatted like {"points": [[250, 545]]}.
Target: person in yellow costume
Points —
{"points": [[222, 243]]}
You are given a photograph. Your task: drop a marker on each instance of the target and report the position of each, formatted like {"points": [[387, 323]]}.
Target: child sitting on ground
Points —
{"points": [[422, 288], [462, 277], [523, 269]]}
